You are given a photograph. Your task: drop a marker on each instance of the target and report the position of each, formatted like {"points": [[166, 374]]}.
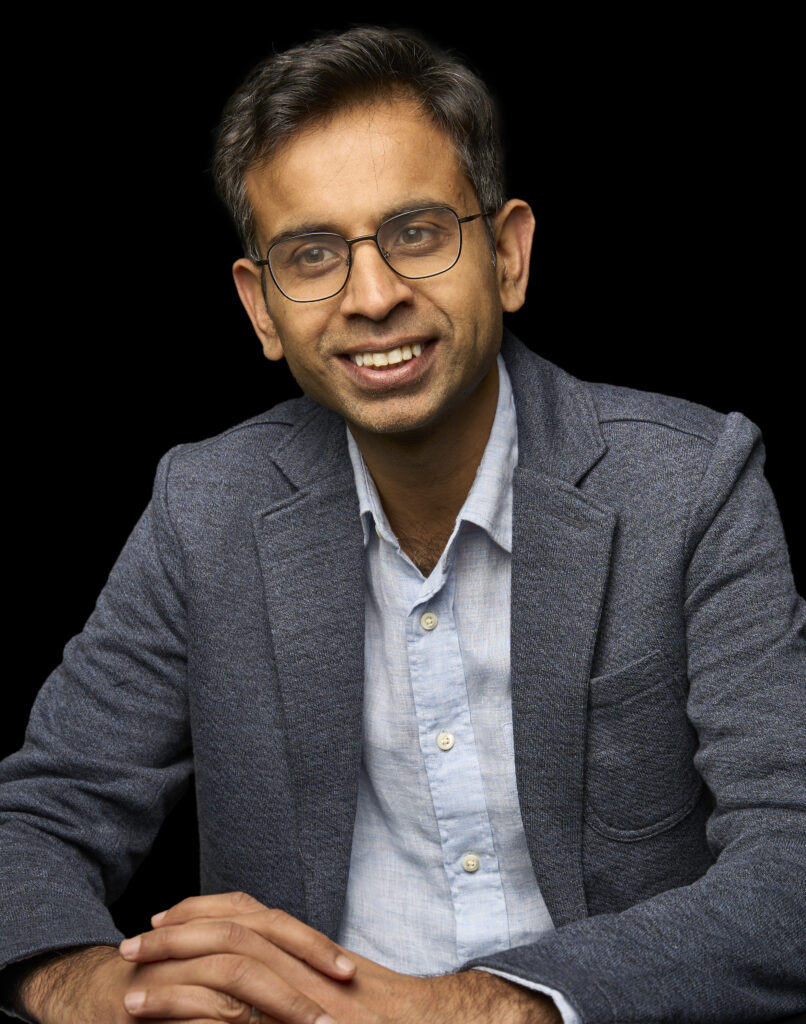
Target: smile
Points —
{"points": [[395, 355]]}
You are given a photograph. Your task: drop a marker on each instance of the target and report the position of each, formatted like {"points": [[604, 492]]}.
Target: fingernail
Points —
{"points": [[158, 917], [129, 947], [344, 964], [134, 1000], [324, 1019]]}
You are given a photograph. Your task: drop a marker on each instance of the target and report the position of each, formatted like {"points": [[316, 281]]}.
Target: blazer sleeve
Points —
{"points": [[732, 946], [106, 753]]}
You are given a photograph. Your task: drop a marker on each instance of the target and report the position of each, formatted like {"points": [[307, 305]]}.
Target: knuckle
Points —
{"points": [[233, 934], [302, 1008], [235, 969], [275, 917], [242, 899], [230, 1008]]}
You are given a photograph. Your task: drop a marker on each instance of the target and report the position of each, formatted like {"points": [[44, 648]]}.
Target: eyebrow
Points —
{"points": [[329, 227]]}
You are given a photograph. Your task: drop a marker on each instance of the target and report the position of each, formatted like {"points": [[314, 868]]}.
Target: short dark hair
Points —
{"points": [[318, 78]]}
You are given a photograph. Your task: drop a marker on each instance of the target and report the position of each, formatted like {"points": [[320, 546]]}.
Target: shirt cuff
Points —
{"points": [[567, 1012]]}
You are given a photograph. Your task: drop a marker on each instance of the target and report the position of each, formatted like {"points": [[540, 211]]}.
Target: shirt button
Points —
{"points": [[428, 620], [445, 740], [471, 862]]}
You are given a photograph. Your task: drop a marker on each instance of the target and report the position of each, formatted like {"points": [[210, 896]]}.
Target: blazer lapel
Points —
{"points": [[311, 552], [561, 544]]}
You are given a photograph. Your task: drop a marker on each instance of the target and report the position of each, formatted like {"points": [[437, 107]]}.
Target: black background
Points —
{"points": [[658, 155]]}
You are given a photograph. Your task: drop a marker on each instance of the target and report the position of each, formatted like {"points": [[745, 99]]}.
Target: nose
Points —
{"points": [[373, 289]]}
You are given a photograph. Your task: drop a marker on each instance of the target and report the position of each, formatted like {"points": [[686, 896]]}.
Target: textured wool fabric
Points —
{"points": [[651, 598]]}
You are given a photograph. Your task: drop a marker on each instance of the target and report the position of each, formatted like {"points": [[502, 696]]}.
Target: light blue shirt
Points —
{"points": [[440, 871]]}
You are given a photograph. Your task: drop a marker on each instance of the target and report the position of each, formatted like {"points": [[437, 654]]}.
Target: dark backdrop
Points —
{"points": [[657, 154]]}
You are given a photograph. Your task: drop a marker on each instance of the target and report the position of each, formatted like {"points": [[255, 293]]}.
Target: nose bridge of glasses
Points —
{"points": [[366, 238]]}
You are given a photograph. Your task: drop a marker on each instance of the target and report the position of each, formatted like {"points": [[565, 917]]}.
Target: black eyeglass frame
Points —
{"points": [[350, 242]]}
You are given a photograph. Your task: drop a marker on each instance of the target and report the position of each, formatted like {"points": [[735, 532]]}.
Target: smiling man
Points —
{"points": [[491, 680]]}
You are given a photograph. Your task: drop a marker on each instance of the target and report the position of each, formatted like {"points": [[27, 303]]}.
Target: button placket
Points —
{"points": [[457, 789]]}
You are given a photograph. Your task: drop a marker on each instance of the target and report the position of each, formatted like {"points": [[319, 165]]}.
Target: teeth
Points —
{"points": [[402, 354]]}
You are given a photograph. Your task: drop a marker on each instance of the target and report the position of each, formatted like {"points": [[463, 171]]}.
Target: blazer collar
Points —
{"points": [[558, 426]]}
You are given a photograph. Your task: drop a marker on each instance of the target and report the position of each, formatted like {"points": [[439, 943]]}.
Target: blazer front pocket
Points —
{"points": [[640, 777]]}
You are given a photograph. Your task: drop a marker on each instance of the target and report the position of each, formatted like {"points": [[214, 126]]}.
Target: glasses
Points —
{"points": [[418, 244]]}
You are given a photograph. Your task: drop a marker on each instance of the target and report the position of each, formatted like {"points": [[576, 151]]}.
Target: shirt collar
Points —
{"points": [[489, 503]]}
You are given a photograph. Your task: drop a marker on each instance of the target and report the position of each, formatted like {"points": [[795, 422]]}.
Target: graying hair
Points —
{"points": [[309, 82]]}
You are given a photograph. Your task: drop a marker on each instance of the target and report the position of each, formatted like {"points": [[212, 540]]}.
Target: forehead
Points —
{"points": [[358, 167]]}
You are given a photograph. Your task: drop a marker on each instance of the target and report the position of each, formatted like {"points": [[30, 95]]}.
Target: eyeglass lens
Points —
{"points": [[417, 244]]}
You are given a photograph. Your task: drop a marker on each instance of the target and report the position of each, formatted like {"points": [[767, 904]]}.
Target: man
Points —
{"points": [[508, 673]]}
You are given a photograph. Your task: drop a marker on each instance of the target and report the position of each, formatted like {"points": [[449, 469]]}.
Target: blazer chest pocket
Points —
{"points": [[640, 777]]}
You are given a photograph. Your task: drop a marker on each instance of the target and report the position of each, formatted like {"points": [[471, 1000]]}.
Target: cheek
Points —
{"points": [[479, 312], [468, 289], [300, 334]]}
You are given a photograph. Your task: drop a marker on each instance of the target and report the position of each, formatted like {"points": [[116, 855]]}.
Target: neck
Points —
{"points": [[424, 478]]}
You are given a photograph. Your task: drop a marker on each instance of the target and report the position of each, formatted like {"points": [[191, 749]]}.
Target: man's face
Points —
{"points": [[348, 175]]}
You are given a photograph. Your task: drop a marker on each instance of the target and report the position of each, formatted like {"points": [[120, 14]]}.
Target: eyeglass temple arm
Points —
{"points": [[475, 216]]}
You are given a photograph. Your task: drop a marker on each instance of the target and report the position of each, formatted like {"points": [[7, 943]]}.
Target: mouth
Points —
{"points": [[383, 371], [391, 357]]}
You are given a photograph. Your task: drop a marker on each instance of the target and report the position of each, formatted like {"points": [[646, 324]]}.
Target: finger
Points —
{"points": [[300, 940], [202, 938], [177, 950], [187, 1002], [259, 1018], [226, 988], [215, 905], [281, 929]]}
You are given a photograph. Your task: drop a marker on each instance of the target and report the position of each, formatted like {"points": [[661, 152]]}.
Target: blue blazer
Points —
{"points": [[658, 690]]}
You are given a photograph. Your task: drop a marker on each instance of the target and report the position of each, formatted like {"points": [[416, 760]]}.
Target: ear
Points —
{"points": [[514, 226], [249, 282]]}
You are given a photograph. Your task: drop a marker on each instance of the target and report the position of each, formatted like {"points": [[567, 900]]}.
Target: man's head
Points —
{"points": [[310, 83], [322, 177]]}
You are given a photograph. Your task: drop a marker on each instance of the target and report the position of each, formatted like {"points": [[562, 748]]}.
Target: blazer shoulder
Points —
{"points": [[569, 427], [260, 436], [615, 404], [245, 459], [663, 449]]}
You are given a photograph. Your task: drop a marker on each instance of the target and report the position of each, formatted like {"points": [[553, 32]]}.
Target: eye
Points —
{"points": [[314, 256], [421, 238], [310, 258], [414, 235]]}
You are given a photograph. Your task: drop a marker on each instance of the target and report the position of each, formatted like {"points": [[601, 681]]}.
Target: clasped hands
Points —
{"points": [[211, 959]]}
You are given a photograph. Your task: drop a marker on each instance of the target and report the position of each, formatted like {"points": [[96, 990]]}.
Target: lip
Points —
{"points": [[386, 378]]}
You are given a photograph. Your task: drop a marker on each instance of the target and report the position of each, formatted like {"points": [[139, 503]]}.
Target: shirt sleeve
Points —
{"points": [[567, 1012]]}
